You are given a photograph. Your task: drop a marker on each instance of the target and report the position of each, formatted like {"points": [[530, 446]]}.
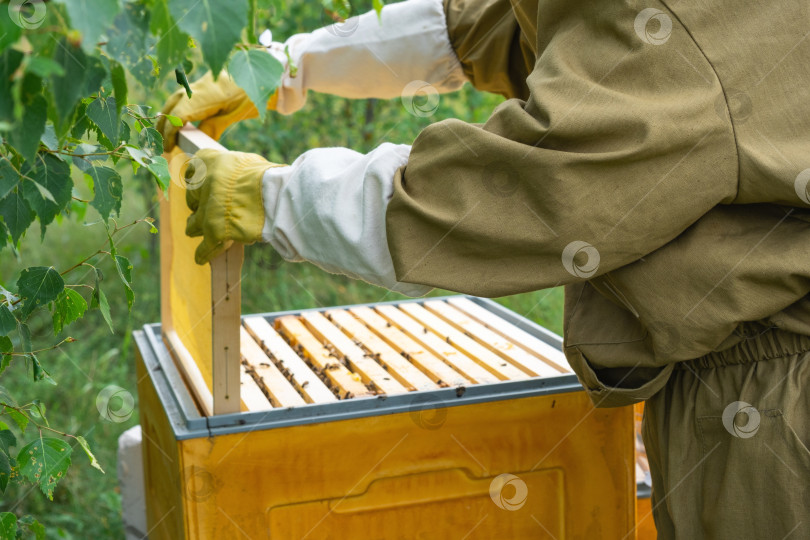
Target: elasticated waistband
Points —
{"points": [[758, 343]]}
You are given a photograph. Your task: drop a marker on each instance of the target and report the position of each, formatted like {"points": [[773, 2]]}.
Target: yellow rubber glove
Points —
{"points": [[216, 104], [226, 204]]}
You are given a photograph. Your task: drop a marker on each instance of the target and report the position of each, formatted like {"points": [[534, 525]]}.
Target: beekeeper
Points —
{"points": [[652, 157]]}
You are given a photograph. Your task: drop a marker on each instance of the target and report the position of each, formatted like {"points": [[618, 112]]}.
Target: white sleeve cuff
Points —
{"points": [[400, 53], [328, 208]]}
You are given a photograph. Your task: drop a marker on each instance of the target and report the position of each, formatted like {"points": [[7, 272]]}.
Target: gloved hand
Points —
{"points": [[226, 203], [218, 104]]}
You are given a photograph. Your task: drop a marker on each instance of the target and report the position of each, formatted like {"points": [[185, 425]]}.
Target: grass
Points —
{"points": [[86, 503]]}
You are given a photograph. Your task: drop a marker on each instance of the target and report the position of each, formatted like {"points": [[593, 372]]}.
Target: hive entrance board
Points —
{"points": [[319, 356], [356, 352]]}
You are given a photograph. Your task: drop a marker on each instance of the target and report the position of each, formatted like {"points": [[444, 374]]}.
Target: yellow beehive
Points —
{"points": [[434, 419]]}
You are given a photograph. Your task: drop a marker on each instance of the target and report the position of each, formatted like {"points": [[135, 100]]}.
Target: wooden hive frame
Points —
{"points": [[317, 357], [200, 305]]}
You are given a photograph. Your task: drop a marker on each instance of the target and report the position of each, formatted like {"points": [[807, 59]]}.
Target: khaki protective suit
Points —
{"points": [[654, 158]]}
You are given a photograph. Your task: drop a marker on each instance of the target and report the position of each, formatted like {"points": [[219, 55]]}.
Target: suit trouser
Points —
{"points": [[727, 439]]}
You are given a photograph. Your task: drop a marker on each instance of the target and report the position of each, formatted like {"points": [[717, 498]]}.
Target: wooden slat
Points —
{"points": [[401, 369], [485, 358], [281, 392], [371, 372], [416, 331], [190, 372], [190, 291], [253, 399], [554, 357], [496, 343], [347, 384], [427, 362], [226, 305], [289, 363]]}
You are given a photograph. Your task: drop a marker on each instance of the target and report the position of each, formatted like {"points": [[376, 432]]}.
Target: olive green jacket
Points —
{"points": [[653, 157]]}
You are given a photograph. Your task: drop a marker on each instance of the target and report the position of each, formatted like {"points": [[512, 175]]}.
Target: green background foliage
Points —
{"points": [[82, 103]]}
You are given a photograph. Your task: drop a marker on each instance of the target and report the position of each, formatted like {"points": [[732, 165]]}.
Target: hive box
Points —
{"points": [[482, 432]]}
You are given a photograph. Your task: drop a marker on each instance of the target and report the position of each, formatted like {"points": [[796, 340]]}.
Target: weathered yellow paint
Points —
{"points": [[645, 527], [162, 464], [425, 474]]}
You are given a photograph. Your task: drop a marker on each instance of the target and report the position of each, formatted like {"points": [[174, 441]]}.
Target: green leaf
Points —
{"points": [[7, 295], [91, 18], [86, 447], [378, 5], [8, 526], [44, 67], [85, 163], [95, 77], [8, 177], [216, 24], [49, 138], [258, 74], [6, 398], [251, 26], [26, 138], [6, 346], [175, 121], [119, 82], [17, 215], [151, 141], [5, 474], [25, 336], [128, 41], [34, 526], [20, 419], [157, 165], [48, 187], [9, 32], [9, 62], [124, 268], [7, 440], [67, 88], [68, 307], [7, 321], [44, 462], [38, 285], [99, 300], [108, 190], [39, 372], [172, 42], [182, 79], [104, 114]]}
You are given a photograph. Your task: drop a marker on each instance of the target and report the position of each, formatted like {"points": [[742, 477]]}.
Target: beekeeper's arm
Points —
{"points": [[403, 51], [615, 151], [328, 207]]}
